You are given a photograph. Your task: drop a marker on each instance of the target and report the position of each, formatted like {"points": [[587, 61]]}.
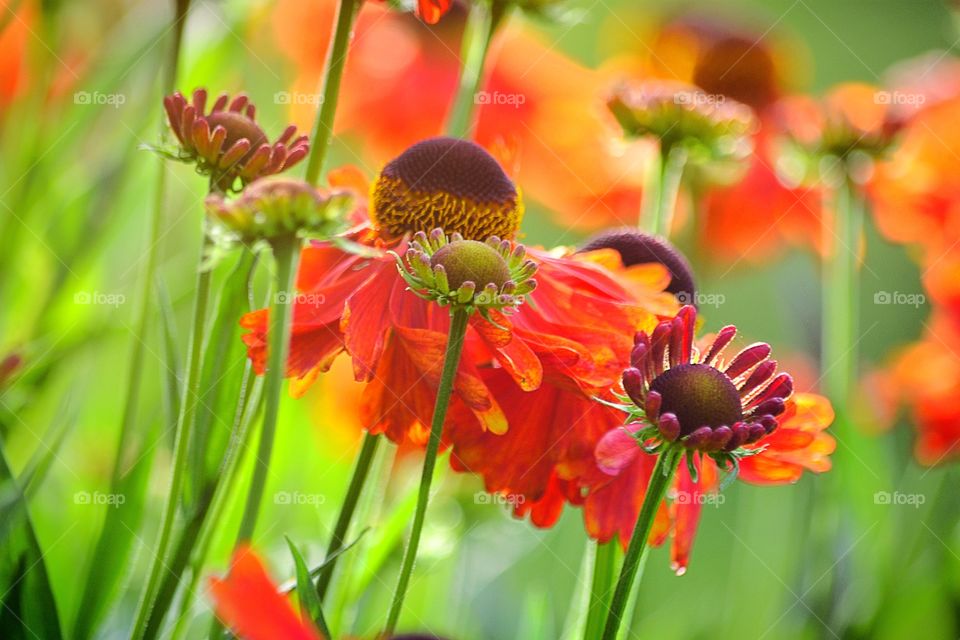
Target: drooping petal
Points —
{"points": [[249, 603]]}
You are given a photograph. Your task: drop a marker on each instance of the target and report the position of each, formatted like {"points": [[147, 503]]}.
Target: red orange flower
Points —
{"points": [[723, 413], [538, 112], [360, 304]]}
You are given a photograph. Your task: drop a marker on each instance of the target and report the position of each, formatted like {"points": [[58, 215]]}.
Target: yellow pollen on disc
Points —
{"points": [[396, 209]]}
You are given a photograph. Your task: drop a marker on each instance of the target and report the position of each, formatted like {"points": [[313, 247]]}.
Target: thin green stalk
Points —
{"points": [[360, 473], [604, 568], [188, 407], [135, 371], [482, 23], [841, 292], [667, 463], [337, 56], [663, 188], [248, 407], [458, 329], [286, 254]]}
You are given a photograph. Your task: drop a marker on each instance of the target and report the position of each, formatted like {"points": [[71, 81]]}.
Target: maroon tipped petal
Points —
{"points": [[669, 427], [633, 384], [652, 407], [746, 359], [724, 337]]}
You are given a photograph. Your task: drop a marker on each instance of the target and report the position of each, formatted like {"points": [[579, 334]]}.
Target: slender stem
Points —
{"points": [[360, 473], [482, 24], [660, 479], [604, 568], [138, 348], [248, 407], [336, 57], [660, 204], [841, 238], [286, 253], [458, 329], [181, 447]]}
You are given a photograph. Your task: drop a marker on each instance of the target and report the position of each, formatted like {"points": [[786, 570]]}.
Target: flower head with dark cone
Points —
{"points": [[227, 143], [700, 401], [279, 206], [446, 183], [636, 247], [468, 274], [678, 114]]}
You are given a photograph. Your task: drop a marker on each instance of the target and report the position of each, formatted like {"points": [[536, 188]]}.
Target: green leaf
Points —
{"points": [[223, 375], [28, 608], [109, 563], [171, 350], [310, 607]]}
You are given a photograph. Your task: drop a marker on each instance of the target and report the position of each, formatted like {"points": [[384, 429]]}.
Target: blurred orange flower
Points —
{"points": [[249, 603], [930, 391], [539, 112]]}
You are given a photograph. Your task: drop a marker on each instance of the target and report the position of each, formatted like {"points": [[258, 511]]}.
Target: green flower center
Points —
{"points": [[471, 261]]}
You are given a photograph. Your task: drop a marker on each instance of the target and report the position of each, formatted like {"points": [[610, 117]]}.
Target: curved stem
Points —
{"points": [[482, 23], [660, 478], [188, 407], [336, 57], [286, 252], [458, 329], [360, 473]]}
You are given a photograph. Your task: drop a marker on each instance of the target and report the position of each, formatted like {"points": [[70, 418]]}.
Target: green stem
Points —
{"points": [[188, 407], [663, 188], [361, 472], [604, 568], [482, 24], [135, 371], [248, 407], [660, 478], [333, 74], [841, 291], [458, 329], [286, 253]]}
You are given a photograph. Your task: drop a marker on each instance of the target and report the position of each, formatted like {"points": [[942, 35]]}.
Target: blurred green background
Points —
{"points": [[75, 187]]}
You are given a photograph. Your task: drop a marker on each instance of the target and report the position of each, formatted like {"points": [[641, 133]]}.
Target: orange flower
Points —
{"points": [[568, 335], [612, 505], [539, 113], [250, 604], [730, 414], [930, 391]]}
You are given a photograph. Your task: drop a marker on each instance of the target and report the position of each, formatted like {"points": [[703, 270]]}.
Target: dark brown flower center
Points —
{"points": [[473, 261], [699, 395], [636, 247], [450, 184]]}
